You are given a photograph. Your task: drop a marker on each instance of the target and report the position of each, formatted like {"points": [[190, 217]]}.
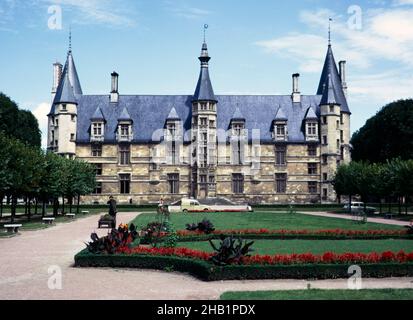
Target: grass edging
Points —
{"points": [[206, 271]]}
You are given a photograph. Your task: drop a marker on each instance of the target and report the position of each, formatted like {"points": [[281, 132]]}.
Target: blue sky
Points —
{"points": [[255, 47]]}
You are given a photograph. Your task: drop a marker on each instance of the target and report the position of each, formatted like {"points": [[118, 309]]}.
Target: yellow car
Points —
{"points": [[189, 205]]}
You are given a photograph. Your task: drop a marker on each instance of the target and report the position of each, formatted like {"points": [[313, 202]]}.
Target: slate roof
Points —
{"points": [[98, 115], [329, 94], [125, 116], [311, 115], [204, 90], [173, 115], [149, 113], [280, 115], [330, 69]]}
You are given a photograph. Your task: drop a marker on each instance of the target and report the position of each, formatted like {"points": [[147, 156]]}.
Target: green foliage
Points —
{"points": [[209, 272], [171, 239], [205, 226], [387, 135], [230, 251], [19, 124], [117, 238]]}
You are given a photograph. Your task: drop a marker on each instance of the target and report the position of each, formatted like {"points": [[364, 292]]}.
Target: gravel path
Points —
{"points": [[349, 217], [25, 260]]}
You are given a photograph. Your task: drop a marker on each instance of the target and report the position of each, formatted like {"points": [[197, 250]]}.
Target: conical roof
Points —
{"points": [[125, 116], [173, 115], [280, 115], [311, 115], [330, 71], [204, 90], [98, 115], [329, 95]]}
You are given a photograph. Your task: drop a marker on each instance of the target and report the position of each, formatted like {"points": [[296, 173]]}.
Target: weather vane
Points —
{"points": [[70, 38], [205, 29]]}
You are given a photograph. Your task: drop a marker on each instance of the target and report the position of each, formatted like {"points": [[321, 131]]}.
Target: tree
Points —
{"points": [[376, 142]]}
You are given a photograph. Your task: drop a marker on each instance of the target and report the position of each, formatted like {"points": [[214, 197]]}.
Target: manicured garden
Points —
{"points": [[315, 294], [260, 245]]}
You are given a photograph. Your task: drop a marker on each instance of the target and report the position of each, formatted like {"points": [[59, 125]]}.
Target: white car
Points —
{"points": [[359, 207]]}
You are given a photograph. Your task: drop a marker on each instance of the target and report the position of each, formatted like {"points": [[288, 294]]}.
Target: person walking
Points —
{"points": [[112, 209]]}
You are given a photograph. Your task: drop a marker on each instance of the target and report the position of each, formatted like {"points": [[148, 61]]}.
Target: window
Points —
{"points": [[312, 129], [325, 193], [237, 183], [280, 155], [204, 122], [211, 179], [124, 130], [280, 130], [312, 168], [312, 150], [124, 154], [237, 143], [203, 181], [64, 107], [312, 187], [57, 122], [173, 182], [325, 140], [281, 182], [124, 183], [153, 166], [332, 109], [98, 169], [342, 136], [73, 117], [325, 177], [325, 161], [338, 144], [211, 123], [324, 120], [342, 118], [97, 129], [98, 188], [204, 106], [96, 150], [338, 125], [72, 137]]}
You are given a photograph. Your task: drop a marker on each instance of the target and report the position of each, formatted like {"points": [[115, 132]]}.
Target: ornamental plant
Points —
{"points": [[117, 238], [230, 251], [205, 226]]}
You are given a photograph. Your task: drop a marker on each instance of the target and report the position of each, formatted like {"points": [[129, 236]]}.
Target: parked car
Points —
{"points": [[357, 207], [192, 205]]}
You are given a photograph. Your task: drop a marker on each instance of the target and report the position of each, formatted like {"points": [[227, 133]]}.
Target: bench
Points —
{"points": [[108, 222], [48, 220], [70, 215], [389, 216], [12, 228], [85, 212]]}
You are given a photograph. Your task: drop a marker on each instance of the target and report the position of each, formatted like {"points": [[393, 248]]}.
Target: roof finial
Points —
{"points": [[329, 31], [205, 29], [70, 39]]}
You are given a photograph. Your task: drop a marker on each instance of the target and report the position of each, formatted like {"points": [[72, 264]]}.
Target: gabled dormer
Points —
{"points": [[125, 127], [280, 126], [311, 126], [173, 130], [97, 129]]}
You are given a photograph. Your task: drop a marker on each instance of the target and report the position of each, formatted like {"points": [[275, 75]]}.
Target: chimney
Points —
{"points": [[296, 95], [114, 94], [57, 75], [342, 66]]}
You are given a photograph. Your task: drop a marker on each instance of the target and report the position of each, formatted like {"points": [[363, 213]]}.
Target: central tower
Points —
{"points": [[204, 133]]}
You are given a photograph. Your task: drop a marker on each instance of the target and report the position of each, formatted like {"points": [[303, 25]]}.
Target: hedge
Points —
{"points": [[208, 272]]}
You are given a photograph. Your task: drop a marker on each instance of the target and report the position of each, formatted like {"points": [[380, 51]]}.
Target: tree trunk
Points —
{"points": [[389, 205], [1, 206], [36, 202], [63, 204], [381, 206], [13, 209], [29, 210], [44, 207], [70, 204], [55, 206], [400, 205], [349, 204], [78, 203]]}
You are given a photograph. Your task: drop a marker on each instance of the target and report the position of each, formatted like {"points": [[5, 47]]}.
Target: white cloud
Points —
{"points": [[185, 11], [40, 112]]}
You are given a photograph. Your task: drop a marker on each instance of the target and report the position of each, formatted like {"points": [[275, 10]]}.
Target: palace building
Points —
{"points": [[246, 148]]}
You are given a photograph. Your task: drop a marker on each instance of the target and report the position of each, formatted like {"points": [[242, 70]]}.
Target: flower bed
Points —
{"points": [[306, 266], [337, 234]]}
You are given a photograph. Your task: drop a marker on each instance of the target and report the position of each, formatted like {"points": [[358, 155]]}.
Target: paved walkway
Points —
{"points": [[25, 259], [349, 217]]}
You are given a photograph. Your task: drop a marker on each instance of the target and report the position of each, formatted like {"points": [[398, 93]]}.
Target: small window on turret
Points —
{"points": [[332, 109], [64, 107]]}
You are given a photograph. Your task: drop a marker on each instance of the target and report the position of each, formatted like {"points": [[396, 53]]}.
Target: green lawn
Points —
{"points": [[313, 294], [268, 220], [272, 247]]}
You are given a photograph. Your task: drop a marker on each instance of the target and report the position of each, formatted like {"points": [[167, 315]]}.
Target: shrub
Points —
{"points": [[117, 238], [205, 226], [171, 239], [230, 251]]}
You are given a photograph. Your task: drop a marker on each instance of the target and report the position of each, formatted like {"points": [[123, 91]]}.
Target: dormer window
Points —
{"points": [[280, 131], [311, 131], [98, 131], [124, 132]]}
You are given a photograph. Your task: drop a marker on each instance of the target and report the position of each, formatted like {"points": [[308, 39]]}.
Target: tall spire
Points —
{"points": [[330, 73], [70, 39], [329, 31], [204, 90]]}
